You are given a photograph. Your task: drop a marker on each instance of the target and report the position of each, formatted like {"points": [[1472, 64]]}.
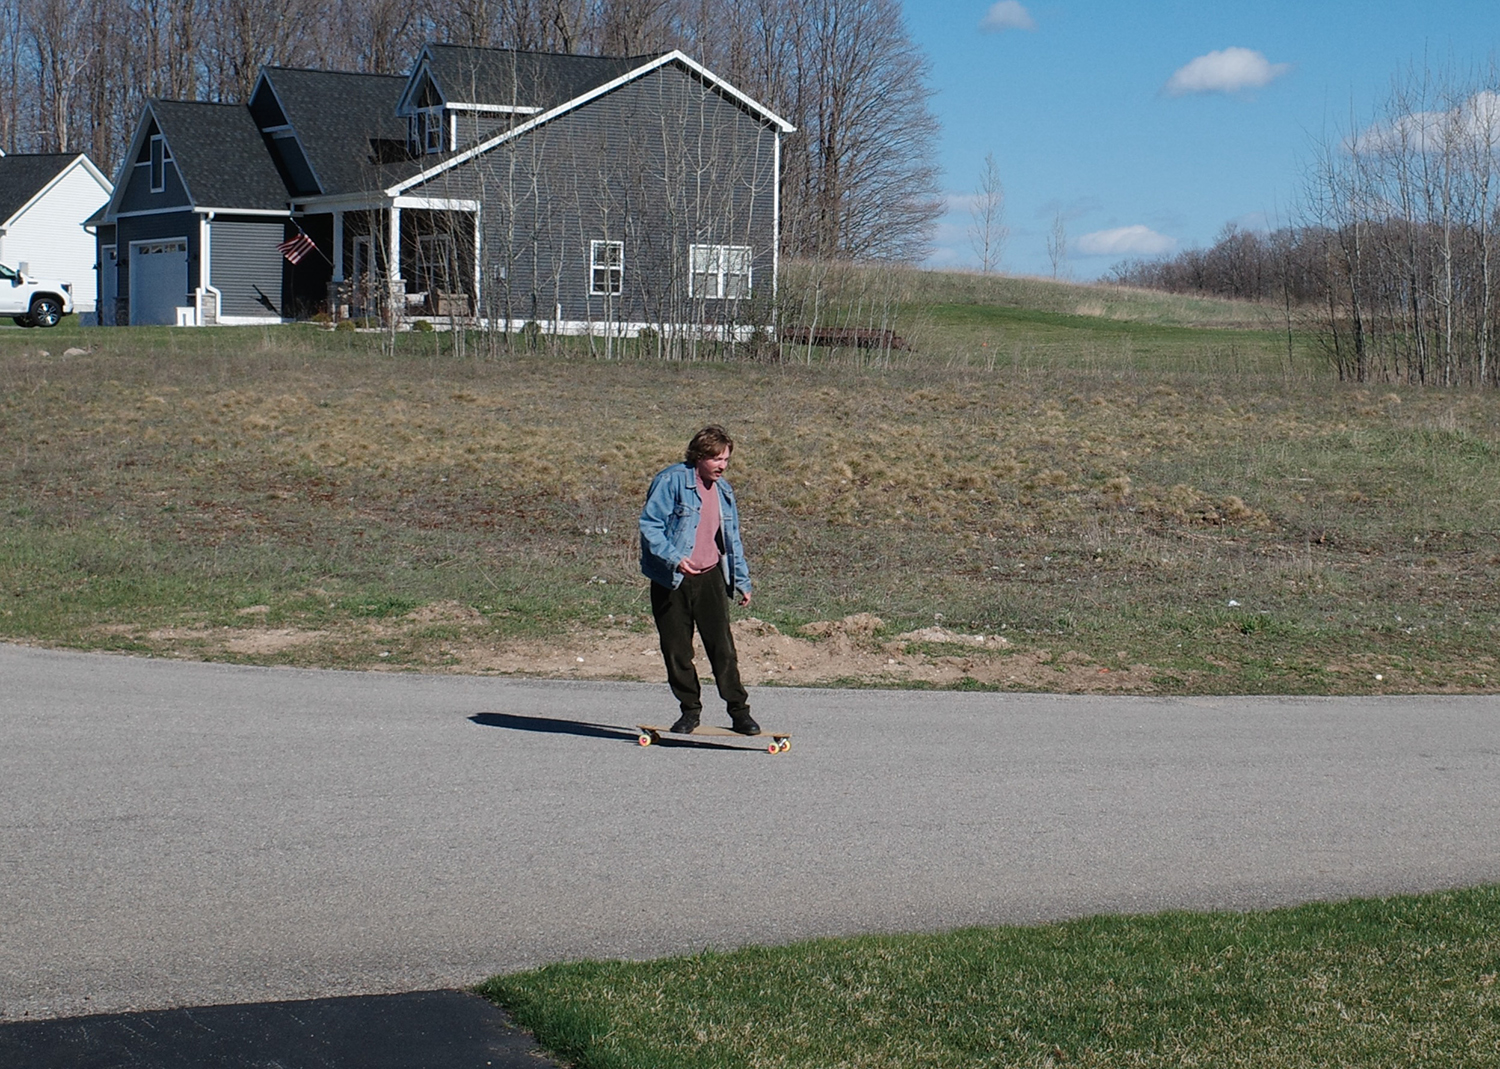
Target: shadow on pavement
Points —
{"points": [[421, 1030], [548, 725]]}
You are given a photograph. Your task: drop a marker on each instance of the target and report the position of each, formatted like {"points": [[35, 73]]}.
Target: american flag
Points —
{"points": [[296, 248]]}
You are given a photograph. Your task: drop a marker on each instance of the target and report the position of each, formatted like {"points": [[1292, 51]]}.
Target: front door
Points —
{"points": [[109, 285]]}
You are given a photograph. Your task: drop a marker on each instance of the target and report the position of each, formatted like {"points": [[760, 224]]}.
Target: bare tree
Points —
{"points": [[384, 34], [987, 229], [244, 35], [64, 50], [1397, 244], [1057, 244]]}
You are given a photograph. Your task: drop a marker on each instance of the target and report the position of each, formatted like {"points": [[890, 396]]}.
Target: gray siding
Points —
{"points": [[138, 196], [660, 164], [245, 267]]}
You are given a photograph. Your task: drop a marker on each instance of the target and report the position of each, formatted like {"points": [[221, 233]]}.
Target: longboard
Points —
{"points": [[780, 741]]}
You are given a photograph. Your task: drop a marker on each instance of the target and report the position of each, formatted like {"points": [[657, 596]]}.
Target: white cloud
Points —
{"points": [[1473, 124], [1124, 241], [1228, 71], [1007, 15]]}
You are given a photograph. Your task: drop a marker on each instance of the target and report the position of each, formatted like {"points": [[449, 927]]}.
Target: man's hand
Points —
{"points": [[685, 566], [744, 598]]}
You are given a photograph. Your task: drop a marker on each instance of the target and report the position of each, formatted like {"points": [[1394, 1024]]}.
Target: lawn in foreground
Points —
{"points": [[1402, 981]]}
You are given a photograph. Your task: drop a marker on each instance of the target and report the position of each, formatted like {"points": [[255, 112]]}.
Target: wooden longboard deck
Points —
{"points": [[773, 741]]}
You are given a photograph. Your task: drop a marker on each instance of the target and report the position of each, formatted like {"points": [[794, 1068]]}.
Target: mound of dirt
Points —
{"points": [[861, 624]]}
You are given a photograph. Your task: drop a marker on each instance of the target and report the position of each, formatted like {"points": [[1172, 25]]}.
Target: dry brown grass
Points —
{"points": [[1206, 530]]}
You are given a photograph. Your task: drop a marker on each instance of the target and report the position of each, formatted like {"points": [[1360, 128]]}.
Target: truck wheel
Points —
{"points": [[46, 311]]}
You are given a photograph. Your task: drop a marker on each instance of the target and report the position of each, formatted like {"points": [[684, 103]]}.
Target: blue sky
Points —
{"points": [[1150, 125]]}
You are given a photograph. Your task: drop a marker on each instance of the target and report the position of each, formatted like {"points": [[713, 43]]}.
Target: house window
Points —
{"points": [[606, 268], [159, 158], [721, 271], [437, 264], [432, 130]]}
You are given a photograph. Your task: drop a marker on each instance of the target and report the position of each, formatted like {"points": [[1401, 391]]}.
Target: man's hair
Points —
{"points": [[709, 442]]}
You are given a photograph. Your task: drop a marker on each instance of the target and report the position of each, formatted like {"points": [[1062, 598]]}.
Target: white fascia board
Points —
{"points": [[296, 134], [162, 133], [127, 162], [496, 109], [52, 182], [713, 79], [204, 211], [82, 160], [378, 201], [98, 175], [578, 102], [437, 204], [179, 210], [278, 213], [404, 106]]}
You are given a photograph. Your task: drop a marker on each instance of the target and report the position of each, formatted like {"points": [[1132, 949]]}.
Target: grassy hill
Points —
{"points": [[1133, 491]]}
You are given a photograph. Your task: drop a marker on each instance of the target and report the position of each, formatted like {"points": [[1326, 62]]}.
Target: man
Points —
{"points": [[691, 552]]}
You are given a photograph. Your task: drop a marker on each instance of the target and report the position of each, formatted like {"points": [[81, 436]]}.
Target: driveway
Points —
{"points": [[189, 834]]}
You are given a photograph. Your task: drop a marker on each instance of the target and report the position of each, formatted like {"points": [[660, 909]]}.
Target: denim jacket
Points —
{"points": [[669, 523]]}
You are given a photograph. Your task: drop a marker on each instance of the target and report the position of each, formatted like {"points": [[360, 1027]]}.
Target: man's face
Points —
{"points": [[711, 469]]}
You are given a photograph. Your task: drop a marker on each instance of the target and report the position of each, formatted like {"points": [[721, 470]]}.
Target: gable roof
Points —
{"points": [[23, 177], [337, 117], [499, 77], [643, 68], [341, 119], [219, 154]]}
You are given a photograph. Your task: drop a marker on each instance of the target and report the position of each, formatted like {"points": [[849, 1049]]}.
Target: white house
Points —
{"points": [[44, 200]]}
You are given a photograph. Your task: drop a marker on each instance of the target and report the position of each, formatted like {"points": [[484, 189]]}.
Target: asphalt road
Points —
{"points": [[182, 834]]}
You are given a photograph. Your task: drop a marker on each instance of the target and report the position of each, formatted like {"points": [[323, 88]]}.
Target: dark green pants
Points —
{"points": [[699, 601]]}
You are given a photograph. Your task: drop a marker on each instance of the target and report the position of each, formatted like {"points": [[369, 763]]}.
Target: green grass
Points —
{"points": [[1408, 981], [1099, 488]]}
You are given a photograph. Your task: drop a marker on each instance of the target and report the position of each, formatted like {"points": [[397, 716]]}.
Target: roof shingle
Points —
{"points": [[221, 156], [23, 177], [542, 80], [338, 117]]}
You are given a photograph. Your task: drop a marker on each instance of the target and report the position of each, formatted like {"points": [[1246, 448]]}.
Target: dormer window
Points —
{"points": [[428, 133]]}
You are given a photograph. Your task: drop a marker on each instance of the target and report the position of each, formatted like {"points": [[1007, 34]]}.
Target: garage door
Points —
{"points": [[158, 281]]}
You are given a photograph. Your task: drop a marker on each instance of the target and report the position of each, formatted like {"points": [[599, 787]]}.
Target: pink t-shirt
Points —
{"points": [[705, 553]]}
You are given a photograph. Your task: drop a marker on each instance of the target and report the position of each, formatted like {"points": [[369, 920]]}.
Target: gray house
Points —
{"points": [[579, 193]]}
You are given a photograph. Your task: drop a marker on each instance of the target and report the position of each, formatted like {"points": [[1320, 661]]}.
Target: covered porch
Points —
{"points": [[411, 258]]}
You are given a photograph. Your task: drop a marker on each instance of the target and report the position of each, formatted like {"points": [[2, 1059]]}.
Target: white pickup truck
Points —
{"points": [[31, 301]]}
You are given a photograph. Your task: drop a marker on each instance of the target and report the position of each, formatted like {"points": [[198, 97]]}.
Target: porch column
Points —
{"points": [[478, 268], [396, 282], [338, 246]]}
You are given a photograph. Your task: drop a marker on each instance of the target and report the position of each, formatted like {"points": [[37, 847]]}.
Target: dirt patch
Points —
{"points": [[270, 640], [848, 651], [844, 651], [446, 612]]}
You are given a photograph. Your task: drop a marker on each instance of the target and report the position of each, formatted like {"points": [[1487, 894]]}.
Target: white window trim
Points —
{"points": [[432, 120], [151, 162], [721, 257], [614, 273]]}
